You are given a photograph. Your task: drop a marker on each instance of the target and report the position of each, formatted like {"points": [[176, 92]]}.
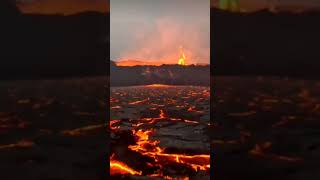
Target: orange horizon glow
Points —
{"points": [[180, 61], [64, 7], [158, 86], [138, 63], [131, 63]]}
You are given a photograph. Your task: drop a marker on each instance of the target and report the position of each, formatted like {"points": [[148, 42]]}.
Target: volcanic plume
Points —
{"points": [[159, 43]]}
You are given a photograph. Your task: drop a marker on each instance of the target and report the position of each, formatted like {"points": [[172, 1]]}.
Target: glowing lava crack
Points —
{"points": [[117, 167], [149, 148], [148, 133]]}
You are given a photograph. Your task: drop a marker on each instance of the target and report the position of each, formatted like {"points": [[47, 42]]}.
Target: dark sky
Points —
{"points": [[154, 30], [62, 6], [74, 6], [253, 5]]}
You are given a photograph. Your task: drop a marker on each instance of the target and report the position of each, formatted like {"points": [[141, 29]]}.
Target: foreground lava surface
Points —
{"points": [[53, 129], [160, 131], [266, 128]]}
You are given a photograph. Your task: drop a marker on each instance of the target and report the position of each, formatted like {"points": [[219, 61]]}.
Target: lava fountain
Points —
{"points": [[182, 59]]}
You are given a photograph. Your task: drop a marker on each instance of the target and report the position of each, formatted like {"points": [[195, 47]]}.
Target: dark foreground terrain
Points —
{"points": [[164, 74], [266, 128], [160, 132], [265, 43], [52, 46], [53, 129]]}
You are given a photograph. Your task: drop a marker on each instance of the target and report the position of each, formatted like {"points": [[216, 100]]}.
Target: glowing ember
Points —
{"points": [[112, 122], [162, 114], [20, 144]]}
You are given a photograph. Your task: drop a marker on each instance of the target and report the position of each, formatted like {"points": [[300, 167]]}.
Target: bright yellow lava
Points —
{"points": [[157, 85]]}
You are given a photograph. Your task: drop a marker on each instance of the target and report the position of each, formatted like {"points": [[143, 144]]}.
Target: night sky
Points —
{"points": [[253, 5], [74, 6]]}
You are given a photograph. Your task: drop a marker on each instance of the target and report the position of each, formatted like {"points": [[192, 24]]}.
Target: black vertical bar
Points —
{"points": [[107, 99]]}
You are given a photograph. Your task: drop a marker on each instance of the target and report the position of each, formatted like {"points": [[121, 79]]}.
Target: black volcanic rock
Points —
{"points": [[265, 43], [42, 46], [8, 7], [164, 74]]}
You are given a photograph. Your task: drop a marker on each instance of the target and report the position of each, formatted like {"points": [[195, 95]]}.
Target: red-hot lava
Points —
{"points": [[150, 148], [143, 130], [117, 167], [112, 122]]}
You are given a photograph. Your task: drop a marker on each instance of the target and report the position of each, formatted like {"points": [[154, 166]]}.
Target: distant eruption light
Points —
{"points": [[182, 59]]}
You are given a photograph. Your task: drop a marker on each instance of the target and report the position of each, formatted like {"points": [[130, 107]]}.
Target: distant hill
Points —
{"points": [[265, 43], [9, 8], [137, 63], [164, 74], [45, 46]]}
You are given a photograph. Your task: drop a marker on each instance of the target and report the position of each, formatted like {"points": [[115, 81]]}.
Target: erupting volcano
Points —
{"points": [[159, 110], [130, 63]]}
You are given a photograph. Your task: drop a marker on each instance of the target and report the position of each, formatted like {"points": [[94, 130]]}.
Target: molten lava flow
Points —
{"points": [[120, 168], [159, 158], [139, 102], [157, 86], [117, 167], [182, 59], [150, 148], [162, 114], [130, 63], [112, 123]]}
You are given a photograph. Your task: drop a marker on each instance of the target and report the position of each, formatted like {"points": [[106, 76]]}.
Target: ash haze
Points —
{"points": [[154, 30]]}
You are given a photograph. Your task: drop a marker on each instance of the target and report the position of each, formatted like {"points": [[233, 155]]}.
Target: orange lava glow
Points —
{"points": [[117, 167], [131, 63], [157, 86], [112, 122], [65, 7], [138, 102], [162, 114], [147, 142], [182, 59], [150, 148]]}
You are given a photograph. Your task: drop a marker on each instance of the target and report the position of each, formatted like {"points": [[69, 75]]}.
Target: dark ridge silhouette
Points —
{"points": [[52, 46], [9, 8], [265, 43], [165, 74]]}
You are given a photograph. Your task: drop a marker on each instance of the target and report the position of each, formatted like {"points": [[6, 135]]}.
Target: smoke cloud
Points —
{"points": [[154, 31], [163, 41]]}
